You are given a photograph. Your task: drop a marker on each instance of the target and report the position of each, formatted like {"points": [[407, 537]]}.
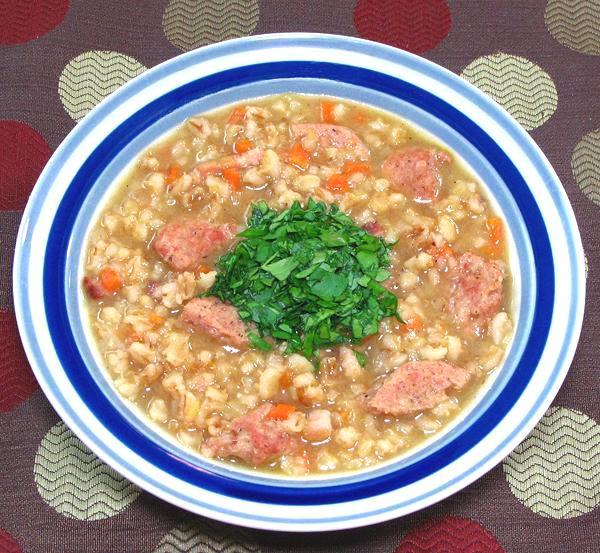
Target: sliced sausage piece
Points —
{"points": [[251, 158], [414, 387], [318, 425], [334, 136], [476, 294], [416, 172], [212, 316], [185, 243], [253, 437], [94, 288]]}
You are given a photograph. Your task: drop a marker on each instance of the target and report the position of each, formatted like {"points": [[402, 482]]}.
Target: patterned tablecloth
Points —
{"points": [[539, 59]]}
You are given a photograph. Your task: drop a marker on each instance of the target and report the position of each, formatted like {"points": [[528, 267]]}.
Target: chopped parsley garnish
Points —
{"points": [[308, 276]]}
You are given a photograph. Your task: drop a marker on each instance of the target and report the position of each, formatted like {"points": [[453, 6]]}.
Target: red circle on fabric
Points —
{"points": [[449, 535], [412, 26], [24, 20], [18, 382], [8, 543], [23, 154]]}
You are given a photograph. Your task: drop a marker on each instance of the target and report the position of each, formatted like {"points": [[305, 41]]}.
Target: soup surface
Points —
{"points": [[299, 284]]}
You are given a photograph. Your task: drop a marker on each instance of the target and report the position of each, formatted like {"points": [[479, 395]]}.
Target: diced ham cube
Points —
{"points": [[415, 387], [374, 228], [212, 316], [93, 287], [318, 425], [253, 437], [476, 294], [416, 172], [185, 243], [334, 136]]}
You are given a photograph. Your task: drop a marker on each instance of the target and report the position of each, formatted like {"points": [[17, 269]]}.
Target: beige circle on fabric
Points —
{"points": [[585, 162], [189, 24], [555, 471], [575, 24], [73, 481], [520, 86], [90, 77], [206, 536]]}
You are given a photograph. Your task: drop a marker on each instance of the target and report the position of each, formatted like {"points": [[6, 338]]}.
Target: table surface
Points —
{"points": [[538, 59]]}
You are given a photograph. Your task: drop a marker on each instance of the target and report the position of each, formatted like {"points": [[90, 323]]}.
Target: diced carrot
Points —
{"points": [[299, 156], [281, 412], [237, 115], [338, 183], [156, 320], [232, 176], [285, 380], [242, 145], [173, 173], [414, 324], [202, 269], [445, 250], [110, 279], [359, 117], [356, 167], [327, 112], [496, 229], [134, 337]]}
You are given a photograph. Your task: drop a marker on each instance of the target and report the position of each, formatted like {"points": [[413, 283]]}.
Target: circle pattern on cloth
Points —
{"points": [[90, 77], [23, 154], [555, 471], [207, 536], [575, 24], [18, 382], [24, 20], [449, 535], [586, 165], [72, 480], [8, 544], [189, 24], [520, 86], [413, 26]]}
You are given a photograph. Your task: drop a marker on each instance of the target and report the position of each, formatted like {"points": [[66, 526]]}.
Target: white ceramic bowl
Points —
{"points": [[546, 253]]}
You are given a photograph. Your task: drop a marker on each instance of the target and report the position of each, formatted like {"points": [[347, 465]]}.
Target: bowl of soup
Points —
{"points": [[299, 282]]}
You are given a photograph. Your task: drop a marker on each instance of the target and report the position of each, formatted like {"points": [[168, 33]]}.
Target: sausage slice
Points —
{"points": [[416, 172], [212, 316], [415, 387], [185, 243], [253, 438]]}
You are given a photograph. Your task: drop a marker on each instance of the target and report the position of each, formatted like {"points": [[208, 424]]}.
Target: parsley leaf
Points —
{"points": [[308, 276]]}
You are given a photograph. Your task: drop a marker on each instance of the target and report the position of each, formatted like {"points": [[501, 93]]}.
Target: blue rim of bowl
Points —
{"points": [[54, 276]]}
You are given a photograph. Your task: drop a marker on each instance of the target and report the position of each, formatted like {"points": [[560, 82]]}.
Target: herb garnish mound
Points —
{"points": [[308, 276]]}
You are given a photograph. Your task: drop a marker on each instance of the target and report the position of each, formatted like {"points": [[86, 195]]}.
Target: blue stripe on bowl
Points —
{"points": [[91, 170]]}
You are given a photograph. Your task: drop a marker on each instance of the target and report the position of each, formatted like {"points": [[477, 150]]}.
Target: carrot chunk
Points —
{"points": [[444, 250], [338, 183], [110, 279], [356, 167], [496, 233], [360, 117], [242, 145], [327, 111], [237, 115], [173, 173], [156, 320], [233, 177], [414, 324], [281, 412], [299, 156]]}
